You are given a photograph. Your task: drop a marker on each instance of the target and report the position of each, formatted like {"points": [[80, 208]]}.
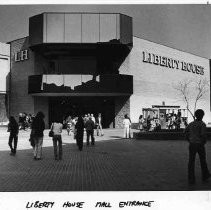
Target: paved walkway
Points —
{"points": [[113, 164]]}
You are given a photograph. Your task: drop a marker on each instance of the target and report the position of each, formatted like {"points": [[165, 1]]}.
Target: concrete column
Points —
{"points": [[122, 107]]}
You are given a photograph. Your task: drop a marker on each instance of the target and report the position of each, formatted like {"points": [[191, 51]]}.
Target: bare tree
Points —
{"points": [[191, 92]]}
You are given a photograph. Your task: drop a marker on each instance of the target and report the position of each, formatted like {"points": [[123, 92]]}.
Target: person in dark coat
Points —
{"points": [[38, 126], [195, 134], [89, 125], [79, 129], [13, 128]]}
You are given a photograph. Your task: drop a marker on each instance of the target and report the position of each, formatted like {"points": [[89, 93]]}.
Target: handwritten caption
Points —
{"points": [[68, 204]]}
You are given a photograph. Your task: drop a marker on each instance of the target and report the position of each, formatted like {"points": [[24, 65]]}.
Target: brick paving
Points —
{"points": [[113, 164]]}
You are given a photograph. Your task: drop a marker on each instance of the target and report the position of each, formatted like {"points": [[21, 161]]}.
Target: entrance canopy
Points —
{"points": [[165, 107]]}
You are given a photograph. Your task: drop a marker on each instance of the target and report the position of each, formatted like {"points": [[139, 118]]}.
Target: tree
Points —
{"points": [[191, 92]]}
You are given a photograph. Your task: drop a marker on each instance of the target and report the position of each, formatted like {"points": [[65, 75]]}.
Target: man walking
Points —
{"points": [[90, 125], [195, 133]]}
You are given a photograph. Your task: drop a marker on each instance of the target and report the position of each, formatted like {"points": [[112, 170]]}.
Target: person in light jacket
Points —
{"points": [[56, 127], [99, 125]]}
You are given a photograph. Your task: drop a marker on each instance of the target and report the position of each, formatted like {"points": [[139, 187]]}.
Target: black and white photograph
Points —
{"points": [[105, 98]]}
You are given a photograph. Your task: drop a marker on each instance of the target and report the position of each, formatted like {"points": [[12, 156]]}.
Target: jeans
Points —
{"points": [[15, 137], [200, 149], [57, 138], [38, 147]]}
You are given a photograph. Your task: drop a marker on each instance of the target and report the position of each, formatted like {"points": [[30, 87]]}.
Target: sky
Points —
{"points": [[185, 27]]}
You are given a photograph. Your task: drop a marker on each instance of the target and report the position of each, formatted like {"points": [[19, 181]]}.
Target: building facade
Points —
{"points": [[79, 63], [69, 65], [4, 79], [158, 71]]}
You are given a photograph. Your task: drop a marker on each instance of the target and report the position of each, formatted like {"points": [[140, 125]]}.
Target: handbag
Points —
{"points": [[31, 139], [51, 133]]}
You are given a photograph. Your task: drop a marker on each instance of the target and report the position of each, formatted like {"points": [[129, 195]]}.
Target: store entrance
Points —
{"points": [[62, 107]]}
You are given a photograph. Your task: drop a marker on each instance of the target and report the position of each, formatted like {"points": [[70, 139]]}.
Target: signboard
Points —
{"points": [[21, 55], [172, 63]]}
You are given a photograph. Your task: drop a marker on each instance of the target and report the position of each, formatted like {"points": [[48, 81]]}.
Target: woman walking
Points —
{"points": [[38, 126], [13, 128], [79, 129], [56, 127]]}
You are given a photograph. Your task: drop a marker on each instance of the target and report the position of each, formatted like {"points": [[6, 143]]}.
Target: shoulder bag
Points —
{"points": [[51, 133]]}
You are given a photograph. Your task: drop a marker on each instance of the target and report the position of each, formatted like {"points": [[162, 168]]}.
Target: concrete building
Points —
{"points": [[78, 63], [157, 72], [4, 75]]}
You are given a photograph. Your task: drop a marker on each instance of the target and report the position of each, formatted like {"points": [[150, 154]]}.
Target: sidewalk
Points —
{"points": [[113, 164]]}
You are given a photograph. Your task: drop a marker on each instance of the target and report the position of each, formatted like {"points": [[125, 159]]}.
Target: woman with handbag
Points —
{"points": [[56, 130]]}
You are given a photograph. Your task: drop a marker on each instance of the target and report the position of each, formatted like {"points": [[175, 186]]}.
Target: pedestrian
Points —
{"points": [[170, 121], [130, 133], [74, 121], [69, 124], [56, 127], [38, 126], [79, 130], [177, 122], [89, 125], [29, 120], [195, 133], [24, 120], [21, 121], [99, 125], [13, 128], [141, 123], [93, 118], [126, 124], [148, 122], [85, 118]]}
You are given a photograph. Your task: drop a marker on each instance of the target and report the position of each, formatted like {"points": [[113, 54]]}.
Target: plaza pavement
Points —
{"points": [[113, 164]]}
